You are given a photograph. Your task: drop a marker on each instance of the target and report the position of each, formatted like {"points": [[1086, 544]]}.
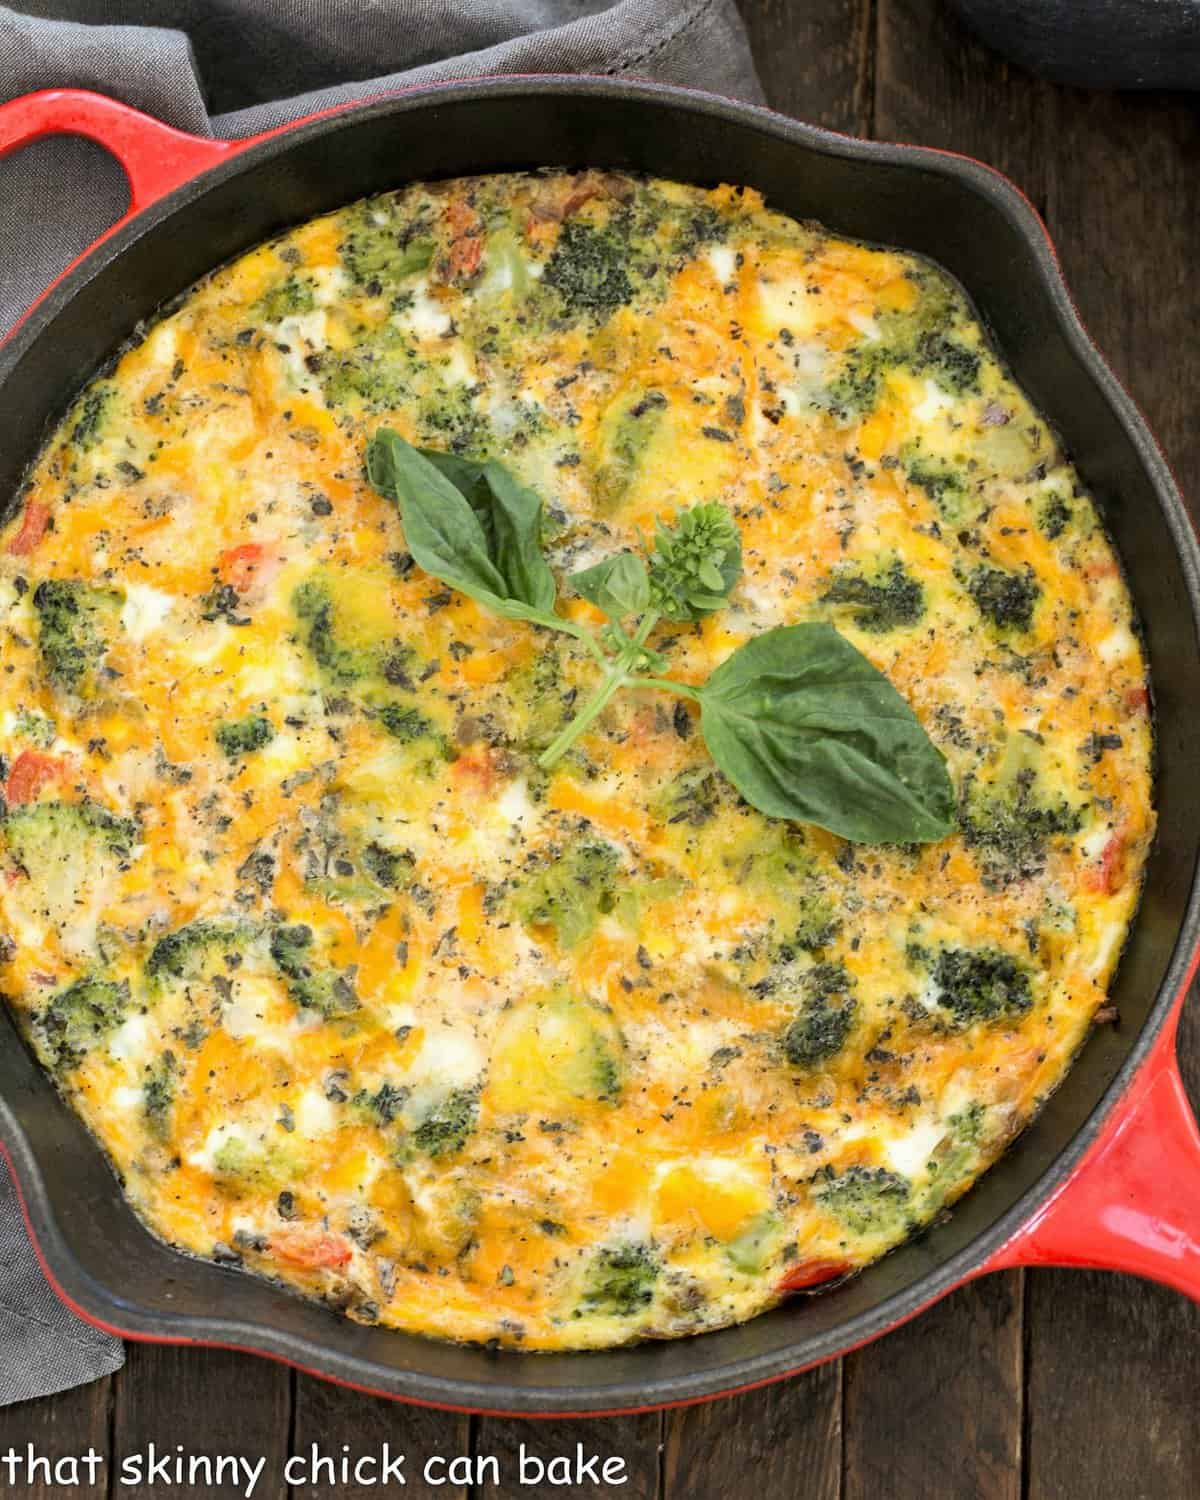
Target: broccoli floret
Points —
{"points": [[943, 484], [241, 1164], [445, 1129], [951, 364], [390, 868], [572, 892], [588, 271], [316, 988], [620, 1280], [44, 836], [405, 723], [692, 798], [384, 1105], [538, 693], [184, 953], [1006, 599], [867, 1200], [881, 604], [293, 295], [158, 1096], [76, 1019], [66, 849], [980, 985], [75, 621], [1009, 828], [1053, 517], [380, 249], [90, 416], [239, 737], [855, 392], [313, 606], [36, 727], [823, 1022]]}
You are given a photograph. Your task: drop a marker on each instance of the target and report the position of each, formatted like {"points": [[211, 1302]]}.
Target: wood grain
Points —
{"points": [[935, 1408], [332, 1417], [210, 1401], [1112, 1389], [816, 59], [635, 1439], [65, 1425], [782, 1442]]}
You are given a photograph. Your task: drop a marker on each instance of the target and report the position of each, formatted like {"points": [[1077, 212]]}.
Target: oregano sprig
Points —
{"points": [[798, 719]]}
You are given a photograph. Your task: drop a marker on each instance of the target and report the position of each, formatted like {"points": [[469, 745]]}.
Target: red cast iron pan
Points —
{"points": [[1109, 1174]]}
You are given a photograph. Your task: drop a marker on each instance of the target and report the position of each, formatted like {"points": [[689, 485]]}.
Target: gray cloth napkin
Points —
{"points": [[229, 70]]}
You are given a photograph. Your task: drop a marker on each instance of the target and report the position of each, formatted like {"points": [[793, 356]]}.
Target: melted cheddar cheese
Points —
{"points": [[356, 996]]}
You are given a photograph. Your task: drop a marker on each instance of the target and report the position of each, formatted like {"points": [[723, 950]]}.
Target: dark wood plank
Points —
{"points": [[69, 1424], [936, 86], [815, 59], [935, 1408], [1113, 1357], [1112, 1389], [330, 1417], [782, 1442], [212, 1402], [634, 1439]]}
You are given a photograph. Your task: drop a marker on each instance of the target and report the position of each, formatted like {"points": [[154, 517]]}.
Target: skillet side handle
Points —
{"points": [[1133, 1203], [155, 157]]}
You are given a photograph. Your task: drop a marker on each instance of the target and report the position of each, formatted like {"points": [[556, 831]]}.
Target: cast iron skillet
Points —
{"points": [[1108, 1175]]}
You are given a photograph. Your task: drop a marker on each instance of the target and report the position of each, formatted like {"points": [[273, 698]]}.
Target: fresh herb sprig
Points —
{"points": [[799, 720]]}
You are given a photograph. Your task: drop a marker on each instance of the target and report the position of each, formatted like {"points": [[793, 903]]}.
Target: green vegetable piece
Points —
{"points": [[951, 364], [822, 1024], [93, 411], [445, 1130], [806, 728], [588, 270], [572, 892], [241, 737], [290, 297], [381, 250], [1006, 599], [619, 586], [158, 1096], [390, 868], [695, 563], [312, 987], [889, 602], [984, 985], [620, 1280], [75, 1020], [867, 1200], [75, 623], [501, 567], [186, 952], [1009, 828], [750, 1253]]}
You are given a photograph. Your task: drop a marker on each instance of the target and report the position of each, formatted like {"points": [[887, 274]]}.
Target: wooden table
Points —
{"points": [[1051, 1385]]}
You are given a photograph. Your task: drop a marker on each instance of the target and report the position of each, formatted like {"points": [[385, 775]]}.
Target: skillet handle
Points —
{"points": [[156, 158], [1133, 1203]]}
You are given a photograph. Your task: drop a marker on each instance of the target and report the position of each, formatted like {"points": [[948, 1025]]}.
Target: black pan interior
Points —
{"points": [[951, 210]]}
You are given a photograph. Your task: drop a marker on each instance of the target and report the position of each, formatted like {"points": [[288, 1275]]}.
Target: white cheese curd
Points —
{"points": [[909, 1153], [145, 610], [130, 1038]]}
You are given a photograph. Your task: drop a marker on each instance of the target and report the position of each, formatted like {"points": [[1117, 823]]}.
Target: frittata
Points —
{"points": [[356, 993]]}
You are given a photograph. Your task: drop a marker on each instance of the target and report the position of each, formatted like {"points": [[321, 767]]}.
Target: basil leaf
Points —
{"points": [[620, 585], [484, 542], [806, 728], [517, 539]]}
